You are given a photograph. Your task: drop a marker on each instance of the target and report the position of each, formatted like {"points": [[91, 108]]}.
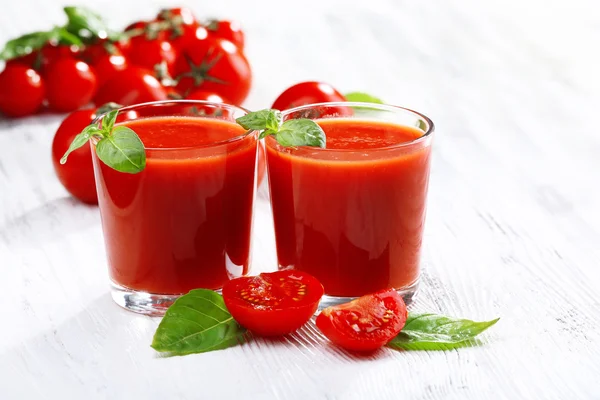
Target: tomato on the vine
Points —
{"points": [[186, 15], [275, 303], [148, 53], [132, 86], [77, 176], [215, 65], [307, 93], [228, 30], [21, 90], [364, 324], [206, 96], [106, 59], [70, 84], [51, 53]]}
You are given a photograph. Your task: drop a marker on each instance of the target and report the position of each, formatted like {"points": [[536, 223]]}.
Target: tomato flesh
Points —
{"points": [[273, 304], [364, 324]]}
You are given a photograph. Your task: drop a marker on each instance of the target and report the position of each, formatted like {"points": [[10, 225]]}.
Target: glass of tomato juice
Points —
{"points": [[352, 214], [184, 222]]}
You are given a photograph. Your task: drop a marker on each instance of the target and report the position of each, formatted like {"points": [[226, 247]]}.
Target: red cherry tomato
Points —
{"points": [[132, 86], [27, 60], [181, 36], [168, 14], [214, 65], [106, 59], [275, 303], [21, 90], [364, 324], [228, 30], [51, 53], [77, 174], [307, 93], [70, 84], [148, 53], [206, 96], [143, 31]]}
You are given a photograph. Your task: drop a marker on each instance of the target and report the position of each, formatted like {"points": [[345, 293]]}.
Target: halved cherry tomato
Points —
{"points": [[106, 59], [307, 93], [77, 175], [214, 65], [70, 84], [21, 90], [364, 324], [275, 303], [228, 30], [132, 86]]}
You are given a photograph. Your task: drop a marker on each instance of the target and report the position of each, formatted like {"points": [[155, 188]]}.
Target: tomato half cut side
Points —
{"points": [[364, 324], [273, 304]]}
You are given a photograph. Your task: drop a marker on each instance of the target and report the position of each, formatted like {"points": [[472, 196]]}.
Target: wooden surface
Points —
{"points": [[513, 225]]}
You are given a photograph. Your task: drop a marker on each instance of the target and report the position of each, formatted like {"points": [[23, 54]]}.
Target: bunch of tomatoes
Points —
{"points": [[172, 56]]}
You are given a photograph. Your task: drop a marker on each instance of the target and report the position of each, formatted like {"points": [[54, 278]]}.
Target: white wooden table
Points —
{"points": [[513, 227]]}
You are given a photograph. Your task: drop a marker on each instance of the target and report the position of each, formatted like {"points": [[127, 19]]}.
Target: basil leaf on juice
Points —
{"points": [[197, 322], [301, 132], [122, 150], [437, 332], [294, 132], [362, 98], [118, 147]]}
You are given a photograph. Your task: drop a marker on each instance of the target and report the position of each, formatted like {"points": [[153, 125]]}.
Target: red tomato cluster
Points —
{"points": [[171, 56], [277, 303]]}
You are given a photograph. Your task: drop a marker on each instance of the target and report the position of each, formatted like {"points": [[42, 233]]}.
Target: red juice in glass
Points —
{"points": [[353, 214], [184, 222]]}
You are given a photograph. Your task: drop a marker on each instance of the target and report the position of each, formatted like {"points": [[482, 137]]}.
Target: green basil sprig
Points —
{"points": [[118, 147], [89, 25], [196, 323], [293, 132], [437, 332], [31, 42]]}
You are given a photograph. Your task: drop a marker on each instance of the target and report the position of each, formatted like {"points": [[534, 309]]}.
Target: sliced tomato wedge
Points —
{"points": [[364, 324], [273, 304]]}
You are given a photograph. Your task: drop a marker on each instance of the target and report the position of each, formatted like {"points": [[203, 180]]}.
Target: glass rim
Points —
{"points": [[133, 107], [378, 106]]}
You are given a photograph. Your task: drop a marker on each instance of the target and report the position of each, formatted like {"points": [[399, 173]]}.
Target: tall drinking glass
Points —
{"points": [[352, 214], [184, 222]]}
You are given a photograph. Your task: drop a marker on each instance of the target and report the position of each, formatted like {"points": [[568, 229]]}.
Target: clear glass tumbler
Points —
{"points": [[184, 222], [352, 214]]}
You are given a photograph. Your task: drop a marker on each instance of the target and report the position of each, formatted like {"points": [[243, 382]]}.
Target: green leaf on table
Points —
{"points": [[360, 97], [261, 120], [197, 322], [301, 132], [88, 24], [437, 332], [80, 140], [122, 150]]}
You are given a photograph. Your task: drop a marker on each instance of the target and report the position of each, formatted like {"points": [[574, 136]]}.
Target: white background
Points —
{"points": [[513, 227]]}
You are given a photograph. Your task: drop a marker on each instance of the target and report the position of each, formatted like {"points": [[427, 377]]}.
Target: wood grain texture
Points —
{"points": [[513, 224]]}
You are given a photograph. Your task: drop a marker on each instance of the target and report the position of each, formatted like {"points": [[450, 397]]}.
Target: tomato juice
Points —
{"points": [[352, 214], [184, 222]]}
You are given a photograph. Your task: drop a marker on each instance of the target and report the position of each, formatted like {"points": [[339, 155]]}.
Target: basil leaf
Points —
{"points": [[197, 322], [108, 121], [437, 332], [301, 132], [362, 98], [122, 150], [87, 24], [261, 120], [80, 140]]}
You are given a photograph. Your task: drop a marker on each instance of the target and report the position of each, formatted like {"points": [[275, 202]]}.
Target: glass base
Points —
{"points": [[407, 293], [151, 304]]}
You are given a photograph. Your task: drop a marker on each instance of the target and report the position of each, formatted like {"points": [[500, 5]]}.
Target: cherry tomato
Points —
{"points": [[21, 90], [77, 174], [143, 31], [206, 96], [70, 84], [106, 59], [275, 303], [181, 36], [147, 53], [51, 53], [228, 30], [307, 93], [186, 15], [132, 86], [214, 65], [27, 60], [364, 324]]}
